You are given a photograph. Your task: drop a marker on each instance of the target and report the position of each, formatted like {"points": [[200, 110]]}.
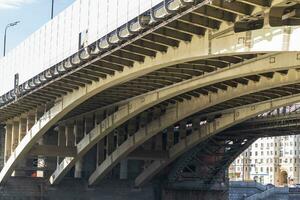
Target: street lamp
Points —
{"points": [[52, 9], [7, 26]]}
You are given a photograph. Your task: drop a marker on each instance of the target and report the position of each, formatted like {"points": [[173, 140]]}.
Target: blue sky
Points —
{"points": [[32, 14]]}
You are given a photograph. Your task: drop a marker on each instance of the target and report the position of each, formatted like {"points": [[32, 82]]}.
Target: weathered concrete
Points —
{"points": [[33, 189], [2, 146], [194, 195], [18, 188]]}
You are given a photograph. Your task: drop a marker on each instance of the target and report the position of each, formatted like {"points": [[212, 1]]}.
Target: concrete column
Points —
{"points": [[22, 133], [2, 147], [14, 139], [88, 124], [110, 143], [131, 128], [182, 130], [100, 152], [111, 136], [124, 169], [158, 142], [79, 133], [70, 136], [170, 137], [39, 113], [22, 128], [196, 123], [8, 139], [15, 135], [61, 140], [41, 159], [124, 162], [30, 121]]}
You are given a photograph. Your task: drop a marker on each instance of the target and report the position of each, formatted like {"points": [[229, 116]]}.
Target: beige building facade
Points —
{"points": [[274, 160]]}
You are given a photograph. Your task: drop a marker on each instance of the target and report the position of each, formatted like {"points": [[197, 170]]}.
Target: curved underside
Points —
{"points": [[186, 74], [140, 104], [236, 116]]}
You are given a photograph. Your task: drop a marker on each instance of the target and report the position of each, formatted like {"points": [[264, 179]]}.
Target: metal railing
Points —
{"points": [[59, 38]]}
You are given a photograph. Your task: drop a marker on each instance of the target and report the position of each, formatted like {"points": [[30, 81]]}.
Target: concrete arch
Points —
{"points": [[139, 104], [183, 110], [198, 48], [227, 120]]}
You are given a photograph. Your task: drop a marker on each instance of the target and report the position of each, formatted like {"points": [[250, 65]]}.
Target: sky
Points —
{"points": [[32, 14]]}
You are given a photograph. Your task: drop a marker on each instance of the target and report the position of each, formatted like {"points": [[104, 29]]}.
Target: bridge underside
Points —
{"points": [[165, 110]]}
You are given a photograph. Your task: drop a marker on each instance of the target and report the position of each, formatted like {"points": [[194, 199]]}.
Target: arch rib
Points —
{"points": [[184, 53], [189, 107], [140, 104], [227, 120]]}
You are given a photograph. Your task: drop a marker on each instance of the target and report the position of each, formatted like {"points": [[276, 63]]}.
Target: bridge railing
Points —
{"points": [[59, 38], [281, 111]]}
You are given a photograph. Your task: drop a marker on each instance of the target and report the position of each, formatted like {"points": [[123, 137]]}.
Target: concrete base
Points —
{"points": [[72, 189], [194, 195], [18, 188]]}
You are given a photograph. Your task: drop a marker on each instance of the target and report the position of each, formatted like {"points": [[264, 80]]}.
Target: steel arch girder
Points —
{"points": [[183, 110], [67, 103], [139, 104], [184, 53], [227, 120]]}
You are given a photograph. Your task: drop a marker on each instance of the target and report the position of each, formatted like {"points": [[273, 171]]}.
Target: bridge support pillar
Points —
{"points": [[61, 141], [8, 138], [15, 135], [124, 169], [2, 146], [78, 132]]}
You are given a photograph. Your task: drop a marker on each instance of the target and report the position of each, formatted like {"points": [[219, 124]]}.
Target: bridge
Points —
{"points": [[138, 90]]}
